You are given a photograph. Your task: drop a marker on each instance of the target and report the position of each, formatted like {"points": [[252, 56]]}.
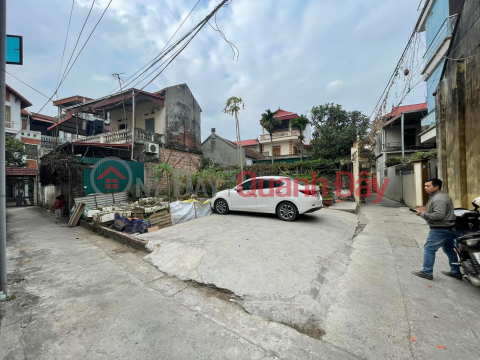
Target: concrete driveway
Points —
{"points": [[284, 271]]}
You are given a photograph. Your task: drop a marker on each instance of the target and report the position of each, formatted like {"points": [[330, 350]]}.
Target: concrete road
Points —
{"points": [[283, 271], [379, 305], [81, 296], [316, 276]]}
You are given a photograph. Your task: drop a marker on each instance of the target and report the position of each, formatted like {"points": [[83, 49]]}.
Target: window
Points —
{"points": [[122, 126], [212, 149], [31, 151], [269, 183], [276, 150], [150, 125], [247, 185], [8, 117]]}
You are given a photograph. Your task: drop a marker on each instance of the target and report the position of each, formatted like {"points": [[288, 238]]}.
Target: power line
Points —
{"points": [[174, 55], [168, 42], [65, 44], [201, 24], [23, 82], [66, 74], [408, 88], [394, 72], [188, 42], [170, 48], [78, 38]]}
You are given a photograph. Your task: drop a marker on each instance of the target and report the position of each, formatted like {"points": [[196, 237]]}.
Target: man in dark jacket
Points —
{"points": [[440, 217]]}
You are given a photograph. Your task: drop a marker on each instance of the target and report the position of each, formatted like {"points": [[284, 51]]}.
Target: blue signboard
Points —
{"points": [[14, 50]]}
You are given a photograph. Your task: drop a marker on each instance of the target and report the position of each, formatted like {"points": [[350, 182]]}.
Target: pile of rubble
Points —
{"points": [[141, 209]]}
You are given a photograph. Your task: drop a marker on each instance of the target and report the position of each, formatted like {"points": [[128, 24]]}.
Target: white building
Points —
{"points": [[14, 103]]}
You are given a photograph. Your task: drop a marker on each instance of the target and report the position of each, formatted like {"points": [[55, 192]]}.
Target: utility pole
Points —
{"points": [[3, 198], [120, 81]]}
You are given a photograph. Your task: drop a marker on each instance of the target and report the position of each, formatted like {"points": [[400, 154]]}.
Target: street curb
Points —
{"points": [[351, 211], [115, 235]]}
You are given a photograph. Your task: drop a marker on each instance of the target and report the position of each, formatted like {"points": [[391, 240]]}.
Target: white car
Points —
{"points": [[271, 194]]}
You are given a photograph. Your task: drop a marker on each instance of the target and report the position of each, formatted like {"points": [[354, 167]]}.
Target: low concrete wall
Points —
{"points": [[409, 190], [115, 235], [394, 187], [401, 189]]}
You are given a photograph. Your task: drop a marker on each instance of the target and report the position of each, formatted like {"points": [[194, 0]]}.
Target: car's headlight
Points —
{"points": [[472, 242]]}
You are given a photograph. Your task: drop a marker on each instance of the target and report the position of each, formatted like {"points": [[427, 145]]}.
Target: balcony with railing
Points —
{"points": [[116, 137], [51, 142], [444, 32], [283, 135], [428, 121], [10, 125], [288, 156], [124, 136], [409, 146]]}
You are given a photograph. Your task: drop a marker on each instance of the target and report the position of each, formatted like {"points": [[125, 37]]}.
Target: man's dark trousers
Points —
{"points": [[440, 238]]}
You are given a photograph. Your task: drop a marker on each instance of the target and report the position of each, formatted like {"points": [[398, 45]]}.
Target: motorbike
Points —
{"points": [[467, 245]]}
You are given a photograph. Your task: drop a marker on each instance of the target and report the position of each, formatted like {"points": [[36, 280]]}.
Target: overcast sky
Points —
{"points": [[294, 54]]}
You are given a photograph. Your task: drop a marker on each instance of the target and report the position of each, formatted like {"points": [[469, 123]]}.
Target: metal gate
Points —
{"points": [[111, 175], [20, 190]]}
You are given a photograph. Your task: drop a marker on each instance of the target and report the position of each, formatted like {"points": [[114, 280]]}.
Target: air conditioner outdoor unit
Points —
{"points": [[152, 148]]}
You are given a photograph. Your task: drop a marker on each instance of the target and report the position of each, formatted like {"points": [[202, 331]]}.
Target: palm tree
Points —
{"points": [[232, 108], [269, 121], [300, 123]]}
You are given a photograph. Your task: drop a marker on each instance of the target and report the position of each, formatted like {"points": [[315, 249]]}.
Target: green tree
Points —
{"points": [[335, 130], [269, 121], [300, 123], [14, 152], [233, 108]]}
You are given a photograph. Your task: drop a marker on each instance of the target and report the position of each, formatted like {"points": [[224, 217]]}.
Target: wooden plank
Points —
{"points": [[153, 228], [76, 215]]}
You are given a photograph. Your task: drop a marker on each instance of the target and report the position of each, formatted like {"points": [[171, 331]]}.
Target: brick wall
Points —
{"points": [[180, 160], [31, 141]]}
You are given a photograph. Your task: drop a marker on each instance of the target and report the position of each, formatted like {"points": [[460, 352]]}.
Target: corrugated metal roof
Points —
{"points": [[17, 171], [95, 200]]}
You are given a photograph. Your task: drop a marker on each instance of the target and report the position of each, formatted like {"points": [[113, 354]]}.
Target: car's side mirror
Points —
{"points": [[238, 188]]}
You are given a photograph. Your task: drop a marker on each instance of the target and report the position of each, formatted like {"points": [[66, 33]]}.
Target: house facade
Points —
{"points": [[21, 183], [399, 137], [437, 20], [223, 152], [285, 139], [252, 144], [458, 110], [135, 125], [14, 104]]}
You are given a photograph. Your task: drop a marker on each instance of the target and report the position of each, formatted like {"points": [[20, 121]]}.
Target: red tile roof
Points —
{"points": [[24, 102], [16, 171], [250, 142], [285, 115], [39, 117], [401, 109], [42, 117], [71, 100]]}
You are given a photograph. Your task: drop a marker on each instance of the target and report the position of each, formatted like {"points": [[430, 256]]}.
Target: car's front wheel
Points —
{"points": [[221, 207], [286, 211]]}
